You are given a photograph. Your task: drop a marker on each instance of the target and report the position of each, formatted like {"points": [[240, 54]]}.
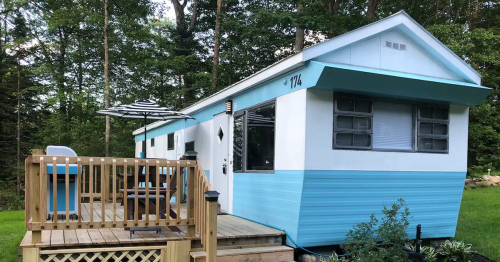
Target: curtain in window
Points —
{"points": [[392, 126]]}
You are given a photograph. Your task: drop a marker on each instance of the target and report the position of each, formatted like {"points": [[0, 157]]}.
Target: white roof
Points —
{"points": [[400, 20]]}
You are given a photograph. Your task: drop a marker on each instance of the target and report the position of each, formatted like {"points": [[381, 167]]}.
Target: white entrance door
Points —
{"points": [[220, 152]]}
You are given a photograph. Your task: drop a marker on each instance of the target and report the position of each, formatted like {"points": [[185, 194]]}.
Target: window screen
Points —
{"points": [[253, 139], [170, 141], [392, 126]]}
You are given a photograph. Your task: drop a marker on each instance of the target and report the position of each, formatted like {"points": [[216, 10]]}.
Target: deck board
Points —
{"points": [[83, 236], [228, 227], [70, 237]]}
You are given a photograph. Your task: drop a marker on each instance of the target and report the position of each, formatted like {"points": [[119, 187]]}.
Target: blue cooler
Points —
{"points": [[61, 183]]}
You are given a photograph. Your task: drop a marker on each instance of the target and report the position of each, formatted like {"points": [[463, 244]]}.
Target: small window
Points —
{"points": [[152, 142], [353, 123], [170, 141], [189, 146], [253, 139], [433, 126]]}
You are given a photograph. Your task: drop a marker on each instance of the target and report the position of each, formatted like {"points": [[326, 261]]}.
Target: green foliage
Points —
{"points": [[430, 252], [455, 251], [380, 240], [333, 258]]}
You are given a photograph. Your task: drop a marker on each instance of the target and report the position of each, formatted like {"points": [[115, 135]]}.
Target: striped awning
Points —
{"points": [[143, 108]]}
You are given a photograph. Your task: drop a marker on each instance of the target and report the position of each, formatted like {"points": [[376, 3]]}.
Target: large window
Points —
{"points": [[253, 145], [382, 124], [170, 141]]}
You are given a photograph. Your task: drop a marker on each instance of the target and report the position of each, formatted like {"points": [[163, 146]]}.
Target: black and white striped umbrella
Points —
{"points": [[143, 109]]}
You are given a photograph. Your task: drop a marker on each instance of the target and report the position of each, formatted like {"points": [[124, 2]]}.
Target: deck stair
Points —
{"points": [[256, 254]]}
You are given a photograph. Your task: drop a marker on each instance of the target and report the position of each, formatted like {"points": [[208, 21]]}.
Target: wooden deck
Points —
{"points": [[228, 227]]}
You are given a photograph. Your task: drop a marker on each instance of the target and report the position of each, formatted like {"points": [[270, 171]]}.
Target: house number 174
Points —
{"points": [[295, 80]]}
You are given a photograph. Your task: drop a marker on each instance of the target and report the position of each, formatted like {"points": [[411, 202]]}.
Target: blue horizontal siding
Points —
{"points": [[272, 199], [333, 202]]}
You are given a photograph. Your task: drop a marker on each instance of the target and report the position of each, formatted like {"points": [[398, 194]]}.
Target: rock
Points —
{"points": [[469, 182], [307, 258], [492, 180], [483, 183], [495, 180]]}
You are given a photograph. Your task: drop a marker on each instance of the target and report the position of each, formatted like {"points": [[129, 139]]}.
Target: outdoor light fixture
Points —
{"points": [[229, 107]]}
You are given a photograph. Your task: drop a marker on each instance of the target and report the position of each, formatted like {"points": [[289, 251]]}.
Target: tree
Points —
{"points": [[216, 46], [299, 34], [107, 103]]}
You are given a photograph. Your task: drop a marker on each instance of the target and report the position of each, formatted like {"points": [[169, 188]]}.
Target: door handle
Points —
{"points": [[224, 168]]}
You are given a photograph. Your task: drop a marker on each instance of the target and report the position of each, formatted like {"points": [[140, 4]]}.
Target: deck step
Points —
{"points": [[257, 254]]}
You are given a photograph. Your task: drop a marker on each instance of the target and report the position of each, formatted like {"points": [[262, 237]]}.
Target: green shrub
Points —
{"points": [[333, 258], [455, 251], [380, 242]]}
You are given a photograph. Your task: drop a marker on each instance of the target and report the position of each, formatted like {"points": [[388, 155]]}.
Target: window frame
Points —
{"points": [[337, 112], [416, 120], [171, 147], [421, 119], [244, 114]]}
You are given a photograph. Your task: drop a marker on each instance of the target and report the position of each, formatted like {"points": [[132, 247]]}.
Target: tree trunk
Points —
{"points": [[299, 34], [184, 41], [106, 78], [215, 68], [333, 7], [18, 169], [372, 8]]}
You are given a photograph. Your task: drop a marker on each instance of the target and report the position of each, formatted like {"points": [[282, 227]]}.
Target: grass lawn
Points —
{"points": [[479, 221], [12, 231]]}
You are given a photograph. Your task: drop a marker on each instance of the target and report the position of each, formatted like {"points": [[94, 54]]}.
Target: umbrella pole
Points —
{"points": [[145, 141]]}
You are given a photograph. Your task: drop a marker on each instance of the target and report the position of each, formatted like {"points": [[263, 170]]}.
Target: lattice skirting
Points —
{"points": [[126, 254]]}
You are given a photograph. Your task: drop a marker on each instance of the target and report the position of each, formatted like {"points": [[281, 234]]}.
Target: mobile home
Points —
{"points": [[316, 142]]}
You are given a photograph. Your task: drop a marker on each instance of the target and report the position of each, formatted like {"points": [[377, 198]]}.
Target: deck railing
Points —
{"points": [[101, 173]]}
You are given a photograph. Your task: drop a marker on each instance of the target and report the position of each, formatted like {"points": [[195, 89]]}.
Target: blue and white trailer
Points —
{"points": [[320, 140]]}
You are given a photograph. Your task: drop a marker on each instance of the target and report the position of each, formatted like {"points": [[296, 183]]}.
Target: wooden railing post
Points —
{"points": [[190, 176], [191, 171], [106, 194], [211, 198], [36, 215]]}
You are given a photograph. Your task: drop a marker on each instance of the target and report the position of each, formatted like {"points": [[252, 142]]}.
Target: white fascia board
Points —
{"points": [[264, 75]]}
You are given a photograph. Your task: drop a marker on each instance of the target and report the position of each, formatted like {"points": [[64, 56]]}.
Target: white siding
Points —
{"points": [[321, 156], [373, 53], [290, 131], [201, 134]]}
